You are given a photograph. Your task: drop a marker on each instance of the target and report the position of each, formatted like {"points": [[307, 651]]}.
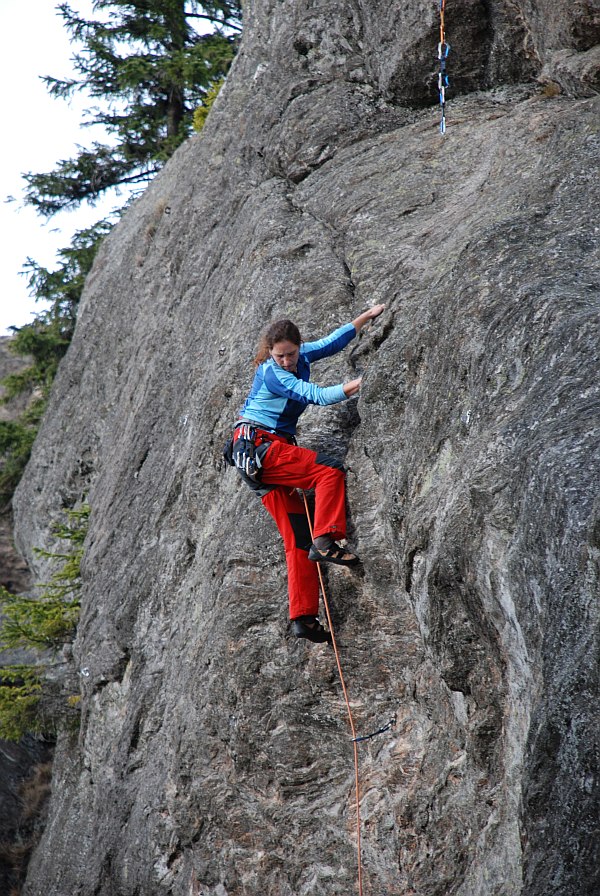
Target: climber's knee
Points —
{"points": [[325, 460]]}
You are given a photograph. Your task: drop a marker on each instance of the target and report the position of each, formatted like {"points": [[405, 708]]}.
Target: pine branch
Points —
{"points": [[224, 23]]}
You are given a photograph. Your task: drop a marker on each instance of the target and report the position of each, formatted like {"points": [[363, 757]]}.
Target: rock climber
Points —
{"points": [[269, 460]]}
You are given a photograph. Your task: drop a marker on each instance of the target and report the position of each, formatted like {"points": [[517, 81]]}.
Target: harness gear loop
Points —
{"points": [[246, 453], [350, 718]]}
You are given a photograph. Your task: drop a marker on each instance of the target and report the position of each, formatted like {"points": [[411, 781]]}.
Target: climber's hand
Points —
{"points": [[352, 387], [368, 315]]}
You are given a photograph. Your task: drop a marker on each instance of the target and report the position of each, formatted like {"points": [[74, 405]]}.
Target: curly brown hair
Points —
{"points": [[278, 331]]}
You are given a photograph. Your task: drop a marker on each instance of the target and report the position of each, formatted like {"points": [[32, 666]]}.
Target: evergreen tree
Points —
{"points": [[150, 67], [42, 622], [43, 342]]}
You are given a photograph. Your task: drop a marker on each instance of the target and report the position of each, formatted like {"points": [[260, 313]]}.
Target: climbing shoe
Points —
{"points": [[310, 628], [334, 553]]}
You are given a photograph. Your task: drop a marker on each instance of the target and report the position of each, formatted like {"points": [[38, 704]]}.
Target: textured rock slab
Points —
{"points": [[214, 754]]}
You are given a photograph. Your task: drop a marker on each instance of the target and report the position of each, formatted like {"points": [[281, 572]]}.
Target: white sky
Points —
{"points": [[37, 131]]}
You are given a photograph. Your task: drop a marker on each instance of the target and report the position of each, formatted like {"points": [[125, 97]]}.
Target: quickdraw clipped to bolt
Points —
{"points": [[443, 82], [390, 724]]}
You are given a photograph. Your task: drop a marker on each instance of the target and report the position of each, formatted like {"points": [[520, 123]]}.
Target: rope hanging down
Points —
{"points": [[443, 50], [350, 719], [355, 738]]}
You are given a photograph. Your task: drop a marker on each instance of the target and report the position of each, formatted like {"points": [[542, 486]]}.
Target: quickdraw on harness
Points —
{"points": [[246, 455], [443, 82], [247, 449]]}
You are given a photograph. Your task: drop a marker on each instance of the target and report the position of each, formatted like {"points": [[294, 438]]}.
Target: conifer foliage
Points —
{"points": [[31, 694], [146, 65], [43, 342], [150, 66]]}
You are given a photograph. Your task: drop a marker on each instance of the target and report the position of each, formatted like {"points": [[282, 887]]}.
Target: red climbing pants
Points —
{"points": [[288, 467]]}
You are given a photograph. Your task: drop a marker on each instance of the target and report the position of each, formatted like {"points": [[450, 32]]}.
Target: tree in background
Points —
{"points": [[151, 67], [43, 342], [147, 64]]}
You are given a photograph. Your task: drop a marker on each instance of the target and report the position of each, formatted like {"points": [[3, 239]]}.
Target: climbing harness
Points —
{"points": [[245, 454], [443, 50], [356, 739]]}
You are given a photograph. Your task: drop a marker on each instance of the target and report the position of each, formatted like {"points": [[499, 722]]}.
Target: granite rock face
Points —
{"points": [[214, 755]]}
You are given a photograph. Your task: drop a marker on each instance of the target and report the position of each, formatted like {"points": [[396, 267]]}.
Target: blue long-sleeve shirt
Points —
{"points": [[278, 396]]}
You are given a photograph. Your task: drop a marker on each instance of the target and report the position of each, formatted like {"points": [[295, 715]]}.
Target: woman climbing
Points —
{"points": [[272, 464]]}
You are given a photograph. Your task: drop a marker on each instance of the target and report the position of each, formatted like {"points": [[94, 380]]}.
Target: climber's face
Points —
{"points": [[285, 354]]}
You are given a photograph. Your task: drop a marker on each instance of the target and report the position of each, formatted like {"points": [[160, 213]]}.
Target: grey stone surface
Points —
{"points": [[214, 756]]}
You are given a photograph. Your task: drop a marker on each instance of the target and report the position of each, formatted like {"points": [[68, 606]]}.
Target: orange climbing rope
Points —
{"points": [[350, 719]]}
